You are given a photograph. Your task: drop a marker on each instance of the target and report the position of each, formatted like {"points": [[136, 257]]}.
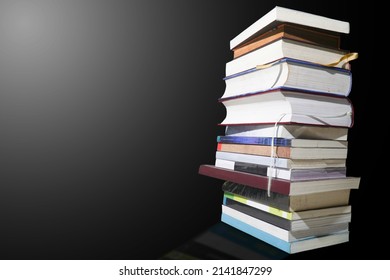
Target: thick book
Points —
{"points": [[288, 107], [298, 216], [286, 48], [283, 142], [280, 202], [291, 31], [279, 185], [284, 152], [291, 131], [283, 234], [290, 73], [306, 244], [281, 162], [283, 173], [281, 14], [290, 225]]}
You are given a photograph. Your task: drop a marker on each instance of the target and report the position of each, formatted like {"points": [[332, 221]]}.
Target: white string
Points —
{"points": [[274, 155]]}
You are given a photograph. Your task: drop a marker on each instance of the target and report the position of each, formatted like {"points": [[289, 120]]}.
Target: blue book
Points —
{"points": [[310, 243], [282, 142]]}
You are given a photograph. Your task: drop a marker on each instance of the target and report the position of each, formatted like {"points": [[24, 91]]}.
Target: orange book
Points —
{"points": [[296, 32], [284, 152]]}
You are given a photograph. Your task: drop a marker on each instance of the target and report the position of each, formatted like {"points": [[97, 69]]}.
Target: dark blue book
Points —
{"points": [[282, 142]]}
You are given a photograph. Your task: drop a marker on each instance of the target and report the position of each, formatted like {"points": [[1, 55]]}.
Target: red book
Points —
{"points": [[281, 186]]}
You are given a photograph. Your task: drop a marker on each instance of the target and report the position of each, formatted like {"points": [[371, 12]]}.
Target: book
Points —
{"points": [[288, 107], [286, 48], [287, 74], [306, 244], [282, 142], [283, 173], [284, 152], [291, 31], [289, 131], [281, 162], [281, 14], [283, 234], [280, 202], [279, 185], [299, 216], [290, 225]]}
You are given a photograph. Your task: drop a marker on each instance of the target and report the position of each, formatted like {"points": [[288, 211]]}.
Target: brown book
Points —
{"points": [[284, 152], [296, 32], [280, 185]]}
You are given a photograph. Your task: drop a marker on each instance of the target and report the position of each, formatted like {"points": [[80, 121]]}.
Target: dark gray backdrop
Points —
{"points": [[107, 109]]}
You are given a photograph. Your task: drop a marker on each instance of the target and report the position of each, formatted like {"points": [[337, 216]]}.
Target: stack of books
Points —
{"points": [[283, 155]]}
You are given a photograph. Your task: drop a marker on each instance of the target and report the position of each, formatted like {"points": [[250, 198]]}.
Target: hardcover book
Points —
{"points": [[279, 185], [290, 73], [314, 132], [291, 31], [285, 15], [288, 107], [282, 142], [286, 48]]}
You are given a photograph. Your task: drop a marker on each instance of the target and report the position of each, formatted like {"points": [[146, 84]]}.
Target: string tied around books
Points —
{"points": [[274, 155], [345, 59]]}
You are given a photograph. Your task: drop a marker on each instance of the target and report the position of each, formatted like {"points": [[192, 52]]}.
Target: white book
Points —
{"points": [[284, 106], [283, 173], [283, 48], [281, 162], [301, 245], [293, 215], [288, 131], [292, 74], [281, 14]]}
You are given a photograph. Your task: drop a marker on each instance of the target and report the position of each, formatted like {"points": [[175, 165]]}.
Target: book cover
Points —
{"points": [[282, 14], [278, 185]]}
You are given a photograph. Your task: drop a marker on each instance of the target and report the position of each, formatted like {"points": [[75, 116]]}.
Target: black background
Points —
{"points": [[107, 109]]}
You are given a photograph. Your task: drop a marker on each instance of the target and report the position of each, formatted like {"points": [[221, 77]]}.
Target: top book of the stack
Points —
{"points": [[280, 15]]}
